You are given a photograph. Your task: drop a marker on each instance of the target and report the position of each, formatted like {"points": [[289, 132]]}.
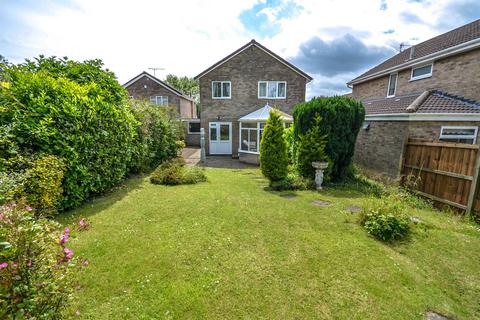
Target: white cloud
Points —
{"points": [[185, 37]]}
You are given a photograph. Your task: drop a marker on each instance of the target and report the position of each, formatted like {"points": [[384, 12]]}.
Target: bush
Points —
{"points": [[311, 147], [156, 137], [175, 172], [37, 179], [87, 123], [342, 118], [386, 219], [37, 270], [293, 182], [273, 149], [291, 145]]}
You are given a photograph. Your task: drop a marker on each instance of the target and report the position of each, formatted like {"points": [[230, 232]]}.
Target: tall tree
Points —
{"points": [[186, 85]]}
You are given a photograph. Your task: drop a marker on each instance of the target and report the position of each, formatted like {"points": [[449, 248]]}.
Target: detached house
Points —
{"points": [[237, 93], [147, 87], [430, 91]]}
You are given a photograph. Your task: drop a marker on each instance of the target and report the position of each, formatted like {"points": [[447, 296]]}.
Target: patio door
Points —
{"points": [[220, 134]]}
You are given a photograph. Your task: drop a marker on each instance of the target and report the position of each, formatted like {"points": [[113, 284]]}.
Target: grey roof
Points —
{"points": [[463, 34], [436, 102]]}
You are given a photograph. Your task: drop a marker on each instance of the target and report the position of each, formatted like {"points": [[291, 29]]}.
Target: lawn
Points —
{"points": [[228, 249]]}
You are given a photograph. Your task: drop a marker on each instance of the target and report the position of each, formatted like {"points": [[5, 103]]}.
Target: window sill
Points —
{"points": [[420, 78], [249, 152], [217, 98], [264, 98], [193, 132]]}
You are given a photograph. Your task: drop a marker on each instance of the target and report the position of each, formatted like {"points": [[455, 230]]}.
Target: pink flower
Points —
{"points": [[29, 263], [68, 253], [3, 265], [85, 263], [66, 231], [63, 239], [2, 216], [28, 208], [82, 222]]}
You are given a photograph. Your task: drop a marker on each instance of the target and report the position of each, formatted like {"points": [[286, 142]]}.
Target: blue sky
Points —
{"points": [[333, 40]]}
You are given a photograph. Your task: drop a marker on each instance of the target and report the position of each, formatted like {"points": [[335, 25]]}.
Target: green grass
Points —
{"points": [[227, 249]]}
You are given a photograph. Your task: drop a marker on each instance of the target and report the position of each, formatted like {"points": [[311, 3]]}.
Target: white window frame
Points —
{"points": [[221, 90], [188, 127], [389, 81], [447, 137], [428, 75], [161, 98], [259, 136], [267, 97]]}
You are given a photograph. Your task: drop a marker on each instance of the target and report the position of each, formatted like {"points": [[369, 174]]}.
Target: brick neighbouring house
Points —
{"points": [[429, 92], [236, 94], [147, 87]]}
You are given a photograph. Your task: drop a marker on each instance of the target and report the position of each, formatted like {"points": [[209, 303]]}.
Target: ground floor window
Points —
{"points": [[251, 135], [193, 127], [459, 134]]}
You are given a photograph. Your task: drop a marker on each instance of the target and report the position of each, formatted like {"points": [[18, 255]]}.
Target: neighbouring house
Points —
{"points": [[430, 91], [237, 93], [148, 87]]}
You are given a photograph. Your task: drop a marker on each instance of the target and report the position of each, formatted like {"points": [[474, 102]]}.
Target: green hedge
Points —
{"points": [[156, 139], [342, 118], [78, 112]]}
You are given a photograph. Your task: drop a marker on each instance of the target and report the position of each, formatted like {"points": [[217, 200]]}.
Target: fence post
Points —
{"points": [[474, 185], [202, 145]]}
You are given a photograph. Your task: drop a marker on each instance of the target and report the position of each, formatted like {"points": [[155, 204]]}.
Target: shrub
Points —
{"points": [[175, 173], [311, 147], [293, 182], [342, 118], [291, 145], [43, 184], [273, 149], [156, 137], [386, 219], [88, 124], [37, 270]]}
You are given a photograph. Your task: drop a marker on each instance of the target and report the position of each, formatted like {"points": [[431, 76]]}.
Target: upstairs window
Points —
{"points": [[272, 89], [159, 100], [392, 85], [459, 134], [421, 72], [221, 89]]}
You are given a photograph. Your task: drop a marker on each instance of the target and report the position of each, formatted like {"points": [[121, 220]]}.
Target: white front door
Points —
{"points": [[220, 134]]}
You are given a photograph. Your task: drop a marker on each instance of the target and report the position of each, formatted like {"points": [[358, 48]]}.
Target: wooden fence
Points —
{"points": [[447, 172]]}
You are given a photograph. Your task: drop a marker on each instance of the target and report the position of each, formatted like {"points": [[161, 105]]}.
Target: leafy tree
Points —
{"points": [[342, 118], [186, 85], [273, 149], [311, 147]]}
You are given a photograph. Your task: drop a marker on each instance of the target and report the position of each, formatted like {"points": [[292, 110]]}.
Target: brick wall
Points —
{"points": [[244, 71], [144, 88], [457, 75], [380, 148]]}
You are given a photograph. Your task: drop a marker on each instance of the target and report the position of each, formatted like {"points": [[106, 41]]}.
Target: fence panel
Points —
{"points": [[447, 172]]}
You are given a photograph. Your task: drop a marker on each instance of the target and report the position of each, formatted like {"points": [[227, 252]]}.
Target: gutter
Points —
{"points": [[454, 117], [466, 46]]}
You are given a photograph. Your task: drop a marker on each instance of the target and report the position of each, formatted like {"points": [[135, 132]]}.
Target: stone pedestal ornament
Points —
{"points": [[319, 168], [203, 156]]}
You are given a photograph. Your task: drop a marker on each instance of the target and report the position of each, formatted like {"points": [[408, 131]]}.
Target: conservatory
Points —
{"points": [[251, 129]]}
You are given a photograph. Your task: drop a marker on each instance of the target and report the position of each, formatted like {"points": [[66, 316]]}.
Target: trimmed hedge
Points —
{"points": [[342, 118], [77, 111], [156, 139]]}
